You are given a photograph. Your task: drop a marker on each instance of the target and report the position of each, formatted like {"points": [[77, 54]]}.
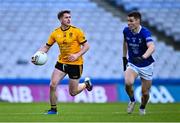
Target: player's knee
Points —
{"points": [[73, 93], [145, 93], [128, 82], [53, 84], [52, 88]]}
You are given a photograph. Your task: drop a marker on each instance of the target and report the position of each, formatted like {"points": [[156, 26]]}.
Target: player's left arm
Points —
{"points": [[84, 49], [149, 43], [150, 50]]}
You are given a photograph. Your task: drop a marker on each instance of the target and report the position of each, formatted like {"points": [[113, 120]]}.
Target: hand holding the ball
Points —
{"points": [[39, 58], [33, 59]]}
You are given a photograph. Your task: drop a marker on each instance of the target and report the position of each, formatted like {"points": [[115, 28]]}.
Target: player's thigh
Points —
{"points": [[57, 76], [74, 73], [130, 76], [146, 85]]}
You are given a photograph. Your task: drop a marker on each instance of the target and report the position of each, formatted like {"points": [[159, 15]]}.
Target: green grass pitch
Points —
{"points": [[88, 112]]}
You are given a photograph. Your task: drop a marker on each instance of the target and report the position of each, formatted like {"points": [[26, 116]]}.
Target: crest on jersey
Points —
{"points": [[70, 35], [64, 34], [133, 39]]}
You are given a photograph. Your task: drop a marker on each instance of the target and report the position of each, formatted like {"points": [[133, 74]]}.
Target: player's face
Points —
{"points": [[133, 23], [66, 19]]}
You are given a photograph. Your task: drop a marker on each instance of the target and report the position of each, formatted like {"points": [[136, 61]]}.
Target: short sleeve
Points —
{"points": [[124, 33], [51, 40], [81, 36], [147, 36]]}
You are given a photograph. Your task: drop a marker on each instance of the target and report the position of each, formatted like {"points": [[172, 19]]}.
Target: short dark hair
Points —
{"points": [[61, 13], [135, 14]]}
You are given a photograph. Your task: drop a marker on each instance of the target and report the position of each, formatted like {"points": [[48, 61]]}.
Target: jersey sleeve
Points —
{"points": [[124, 34], [147, 36], [81, 36], [51, 40]]}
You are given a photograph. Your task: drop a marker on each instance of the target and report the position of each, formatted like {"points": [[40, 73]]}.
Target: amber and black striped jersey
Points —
{"points": [[69, 42]]}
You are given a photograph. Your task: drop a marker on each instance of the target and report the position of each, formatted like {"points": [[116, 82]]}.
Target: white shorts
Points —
{"points": [[144, 72]]}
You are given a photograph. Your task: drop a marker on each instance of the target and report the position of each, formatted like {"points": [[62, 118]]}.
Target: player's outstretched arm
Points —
{"points": [[45, 48]]}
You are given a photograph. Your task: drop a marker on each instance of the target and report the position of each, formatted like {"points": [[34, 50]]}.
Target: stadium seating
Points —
{"points": [[26, 25], [159, 13]]}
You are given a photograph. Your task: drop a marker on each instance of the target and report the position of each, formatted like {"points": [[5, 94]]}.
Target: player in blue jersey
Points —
{"points": [[139, 47]]}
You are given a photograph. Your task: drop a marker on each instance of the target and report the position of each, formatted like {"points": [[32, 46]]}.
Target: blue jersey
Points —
{"points": [[137, 45]]}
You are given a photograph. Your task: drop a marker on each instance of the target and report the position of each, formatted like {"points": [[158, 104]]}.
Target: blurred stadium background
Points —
{"points": [[26, 24]]}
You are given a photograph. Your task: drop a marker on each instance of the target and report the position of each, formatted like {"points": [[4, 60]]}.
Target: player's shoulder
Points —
{"points": [[56, 29], [76, 28], [126, 29], [145, 30], [54, 32]]}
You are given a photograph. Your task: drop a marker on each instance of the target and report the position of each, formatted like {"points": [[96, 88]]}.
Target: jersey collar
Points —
{"points": [[140, 27], [65, 29]]}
